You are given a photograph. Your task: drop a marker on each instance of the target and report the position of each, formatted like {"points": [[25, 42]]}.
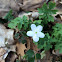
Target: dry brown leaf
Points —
{"points": [[2, 60], [6, 5], [59, 8], [2, 52], [32, 15], [29, 2], [11, 57], [7, 34], [56, 52], [20, 48], [31, 5], [28, 43]]}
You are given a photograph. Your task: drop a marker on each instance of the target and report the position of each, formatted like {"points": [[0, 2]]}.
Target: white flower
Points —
{"points": [[35, 32]]}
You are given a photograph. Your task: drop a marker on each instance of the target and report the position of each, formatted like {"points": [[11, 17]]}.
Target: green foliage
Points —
{"points": [[38, 56], [9, 16], [57, 34], [57, 31], [30, 53], [46, 12], [17, 60], [52, 38], [45, 43], [37, 22], [55, 39], [18, 23], [30, 56], [21, 37]]}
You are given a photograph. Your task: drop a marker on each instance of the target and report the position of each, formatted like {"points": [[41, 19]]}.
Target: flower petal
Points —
{"points": [[35, 38], [39, 28], [30, 33], [33, 27], [40, 34]]}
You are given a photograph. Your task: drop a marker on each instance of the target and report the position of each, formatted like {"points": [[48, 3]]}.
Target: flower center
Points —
{"points": [[36, 32]]}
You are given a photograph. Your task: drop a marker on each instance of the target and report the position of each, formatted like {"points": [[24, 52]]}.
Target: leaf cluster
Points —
{"points": [[20, 36], [46, 12], [9, 16], [31, 56], [57, 34], [45, 43], [18, 23]]}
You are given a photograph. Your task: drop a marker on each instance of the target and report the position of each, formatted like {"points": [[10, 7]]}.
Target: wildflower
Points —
{"points": [[35, 32]]}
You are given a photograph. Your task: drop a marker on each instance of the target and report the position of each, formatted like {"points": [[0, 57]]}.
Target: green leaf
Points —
{"points": [[30, 53], [38, 56], [44, 7], [9, 16], [54, 11], [46, 12], [11, 25], [25, 26], [17, 22], [31, 59], [60, 50], [42, 54], [52, 5], [19, 26], [40, 10], [25, 19], [37, 21], [50, 18], [16, 35]]}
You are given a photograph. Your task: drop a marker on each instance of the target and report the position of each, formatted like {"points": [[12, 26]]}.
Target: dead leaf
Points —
{"points": [[7, 34], [6, 5], [31, 15], [20, 48], [2, 60], [31, 5], [28, 43], [11, 57], [56, 52], [29, 2], [2, 52]]}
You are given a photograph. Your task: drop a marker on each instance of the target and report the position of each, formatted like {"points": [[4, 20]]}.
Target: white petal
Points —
{"points": [[30, 33], [39, 28], [33, 27], [40, 34], [35, 38]]}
